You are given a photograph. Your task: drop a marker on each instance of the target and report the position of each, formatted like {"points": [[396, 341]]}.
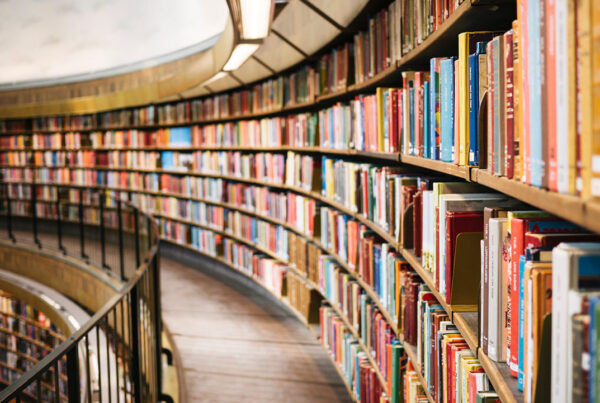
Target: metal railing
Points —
{"points": [[116, 355]]}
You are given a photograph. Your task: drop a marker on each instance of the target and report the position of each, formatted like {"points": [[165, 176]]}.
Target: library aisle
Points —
{"points": [[237, 344]]}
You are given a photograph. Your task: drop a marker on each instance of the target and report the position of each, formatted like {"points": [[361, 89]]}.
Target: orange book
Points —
{"points": [[524, 95]]}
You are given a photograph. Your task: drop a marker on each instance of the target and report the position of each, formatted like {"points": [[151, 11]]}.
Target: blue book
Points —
{"points": [[434, 108], [377, 268], [474, 104], [167, 160], [426, 120], [535, 93], [180, 136], [447, 109], [522, 261], [594, 377]]}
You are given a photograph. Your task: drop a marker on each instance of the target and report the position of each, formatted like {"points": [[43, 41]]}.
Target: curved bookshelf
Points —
{"points": [[575, 209]]}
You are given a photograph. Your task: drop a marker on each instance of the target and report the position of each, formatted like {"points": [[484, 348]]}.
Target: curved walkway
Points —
{"points": [[237, 343]]}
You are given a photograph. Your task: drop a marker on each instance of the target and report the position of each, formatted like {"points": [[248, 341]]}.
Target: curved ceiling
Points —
{"points": [[300, 28], [59, 41]]}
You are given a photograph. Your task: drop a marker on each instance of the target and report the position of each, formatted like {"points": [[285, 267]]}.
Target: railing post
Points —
{"points": [[59, 224], [136, 230], [9, 215], [82, 227], [74, 389], [157, 319], [120, 229], [149, 233], [136, 375], [34, 215], [102, 234]]}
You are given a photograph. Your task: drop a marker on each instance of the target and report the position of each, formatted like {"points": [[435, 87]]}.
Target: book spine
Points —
{"points": [[521, 346], [435, 108], [509, 146], [594, 163], [550, 81], [585, 97], [535, 68], [525, 62], [426, 120], [456, 114], [463, 98], [473, 109], [517, 95], [517, 231], [490, 106], [446, 122]]}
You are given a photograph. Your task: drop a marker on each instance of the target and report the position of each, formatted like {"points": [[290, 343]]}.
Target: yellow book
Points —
{"points": [[467, 41], [468, 366], [379, 94]]}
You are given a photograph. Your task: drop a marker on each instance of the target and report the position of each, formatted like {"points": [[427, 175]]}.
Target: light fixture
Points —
{"points": [[256, 16], [240, 54], [214, 78]]}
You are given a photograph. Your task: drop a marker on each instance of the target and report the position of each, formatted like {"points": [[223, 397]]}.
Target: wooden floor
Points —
{"points": [[236, 342]]}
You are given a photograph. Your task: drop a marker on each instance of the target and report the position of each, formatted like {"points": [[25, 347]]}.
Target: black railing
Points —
{"points": [[116, 355]]}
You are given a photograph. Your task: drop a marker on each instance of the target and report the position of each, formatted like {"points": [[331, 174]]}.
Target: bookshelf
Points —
{"points": [[26, 336], [441, 42]]}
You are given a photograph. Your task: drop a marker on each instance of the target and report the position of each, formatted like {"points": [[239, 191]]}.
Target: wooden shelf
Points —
{"points": [[34, 323], [499, 375], [467, 324], [447, 168]]}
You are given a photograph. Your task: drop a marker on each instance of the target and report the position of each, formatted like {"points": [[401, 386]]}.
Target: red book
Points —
{"points": [[473, 384], [552, 240], [458, 222], [509, 141], [450, 375]]}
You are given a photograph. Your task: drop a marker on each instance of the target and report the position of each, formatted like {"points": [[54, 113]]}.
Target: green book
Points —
{"points": [[397, 387], [487, 397]]}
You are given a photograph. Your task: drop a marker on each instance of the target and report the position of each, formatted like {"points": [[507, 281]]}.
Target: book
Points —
{"points": [[572, 263], [447, 110]]}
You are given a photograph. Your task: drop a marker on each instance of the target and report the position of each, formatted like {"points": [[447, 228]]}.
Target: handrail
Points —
{"points": [[122, 341]]}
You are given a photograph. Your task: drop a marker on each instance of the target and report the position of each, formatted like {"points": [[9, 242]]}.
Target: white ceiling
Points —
{"points": [[50, 39]]}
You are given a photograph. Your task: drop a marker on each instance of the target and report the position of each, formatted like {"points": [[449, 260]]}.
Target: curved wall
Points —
{"points": [[85, 284]]}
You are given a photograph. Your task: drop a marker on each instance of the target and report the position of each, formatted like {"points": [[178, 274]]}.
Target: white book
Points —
{"points": [[462, 202], [562, 96], [497, 226], [566, 301]]}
